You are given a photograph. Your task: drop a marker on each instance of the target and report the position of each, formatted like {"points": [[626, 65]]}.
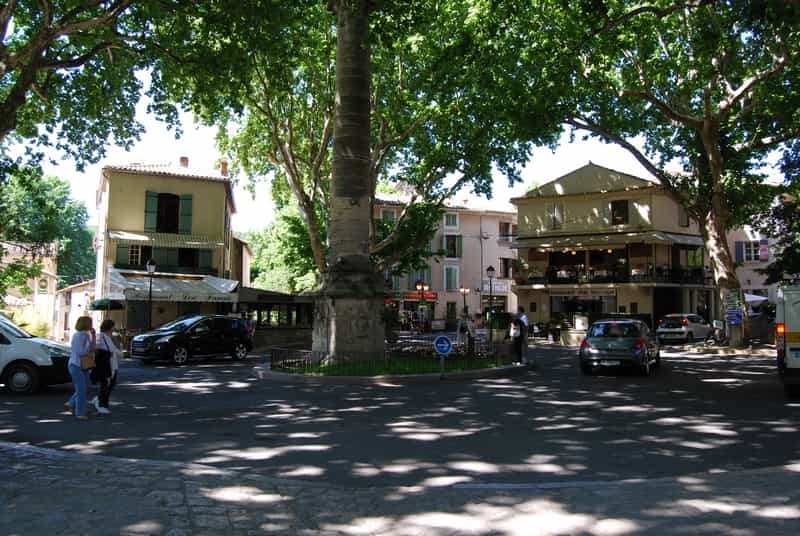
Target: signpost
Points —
{"points": [[443, 346]]}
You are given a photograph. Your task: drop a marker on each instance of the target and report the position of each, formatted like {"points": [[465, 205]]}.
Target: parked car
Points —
{"points": [[685, 327], [194, 336], [27, 362], [620, 344]]}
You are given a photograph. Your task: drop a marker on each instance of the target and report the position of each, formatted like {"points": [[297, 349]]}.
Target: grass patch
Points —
{"points": [[393, 365]]}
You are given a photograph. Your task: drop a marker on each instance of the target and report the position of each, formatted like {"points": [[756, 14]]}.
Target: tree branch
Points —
{"points": [[6, 13], [663, 178], [735, 95], [658, 12], [767, 141], [665, 108]]}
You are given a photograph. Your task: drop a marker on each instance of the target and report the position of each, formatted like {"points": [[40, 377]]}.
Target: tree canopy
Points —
{"points": [[38, 212], [436, 124]]}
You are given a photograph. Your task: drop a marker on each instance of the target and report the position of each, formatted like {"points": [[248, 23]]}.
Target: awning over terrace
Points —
{"points": [[135, 286], [606, 240], [165, 240]]}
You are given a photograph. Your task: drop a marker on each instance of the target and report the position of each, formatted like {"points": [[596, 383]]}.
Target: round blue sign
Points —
{"points": [[442, 344]]}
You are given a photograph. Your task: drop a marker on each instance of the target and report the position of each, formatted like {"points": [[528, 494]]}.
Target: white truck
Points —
{"points": [[787, 338]]}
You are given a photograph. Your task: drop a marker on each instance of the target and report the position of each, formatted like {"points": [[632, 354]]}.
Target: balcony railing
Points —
{"points": [[568, 275]]}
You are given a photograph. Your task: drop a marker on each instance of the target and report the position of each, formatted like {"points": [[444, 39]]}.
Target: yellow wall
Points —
{"points": [[641, 295], [127, 199]]}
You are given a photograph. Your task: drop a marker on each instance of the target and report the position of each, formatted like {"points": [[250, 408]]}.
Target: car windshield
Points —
{"points": [[615, 329], [178, 325], [15, 330], [672, 322]]}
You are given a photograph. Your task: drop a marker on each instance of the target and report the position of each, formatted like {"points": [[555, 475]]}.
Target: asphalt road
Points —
{"points": [[695, 414]]}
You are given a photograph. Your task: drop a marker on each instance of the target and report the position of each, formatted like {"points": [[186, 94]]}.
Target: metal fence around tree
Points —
{"points": [[408, 355]]}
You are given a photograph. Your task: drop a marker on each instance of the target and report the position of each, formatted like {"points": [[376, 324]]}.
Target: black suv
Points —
{"points": [[194, 336]]}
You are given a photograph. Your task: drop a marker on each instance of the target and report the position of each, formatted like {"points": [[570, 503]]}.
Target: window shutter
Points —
{"points": [[548, 211], [122, 255], [739, 247], [204, 258], [763, 250], [444, 244], [458, 246], [185, 222], [150, 211], [427, 277]]}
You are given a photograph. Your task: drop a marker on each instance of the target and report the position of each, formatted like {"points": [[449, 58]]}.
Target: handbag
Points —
{"points": [[87, 361]]}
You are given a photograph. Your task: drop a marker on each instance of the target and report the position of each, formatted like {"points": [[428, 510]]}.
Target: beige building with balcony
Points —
{"points": [[180, 218], [472, 240], [597, 242]]}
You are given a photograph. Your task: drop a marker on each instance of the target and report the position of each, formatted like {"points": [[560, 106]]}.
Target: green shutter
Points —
{"points": [[185, 223], [150, 211], [204, 258], [458, 246], [122, 255]]}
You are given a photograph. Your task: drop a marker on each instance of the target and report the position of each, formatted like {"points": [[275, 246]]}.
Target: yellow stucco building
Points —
{"points": [[178, 220], [597, 242]]}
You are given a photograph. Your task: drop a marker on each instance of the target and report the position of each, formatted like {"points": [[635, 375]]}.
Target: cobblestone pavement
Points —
{"points": [[46, 492]]}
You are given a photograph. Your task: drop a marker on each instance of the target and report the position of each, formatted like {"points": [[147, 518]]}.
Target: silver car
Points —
{"points": [[683, 327], [620, 344]]}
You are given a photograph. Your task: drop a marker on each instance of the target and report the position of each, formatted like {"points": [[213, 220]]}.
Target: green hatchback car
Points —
{"points": [[619, 344]]}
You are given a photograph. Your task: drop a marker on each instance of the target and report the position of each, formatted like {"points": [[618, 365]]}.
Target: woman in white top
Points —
{"points": [[105, 374], [83, 342]]}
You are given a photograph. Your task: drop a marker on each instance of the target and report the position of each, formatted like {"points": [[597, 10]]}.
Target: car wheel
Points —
{"points": [[239, 351], [180, 356], [689, 337], [22, 379]]}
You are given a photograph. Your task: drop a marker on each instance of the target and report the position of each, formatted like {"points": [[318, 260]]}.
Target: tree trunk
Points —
{"points": [[348, 312], [722, 266]]}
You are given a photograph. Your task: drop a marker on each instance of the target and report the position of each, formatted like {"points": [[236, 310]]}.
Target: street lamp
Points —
{"points": [[464, 291], [490, 275], [422, 287], [151, 268]]}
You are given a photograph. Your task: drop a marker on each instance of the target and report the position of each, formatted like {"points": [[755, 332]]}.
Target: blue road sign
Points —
{"points": [[442, 344]]}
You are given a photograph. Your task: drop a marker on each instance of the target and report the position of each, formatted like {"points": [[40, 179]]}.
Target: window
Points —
{"points": [[506, 268], [683, 217], [505, 230], [694, 258], [452, 245], [751, 251], [619, 212], [387, 215], [634, 307], [532, 307], [451, 278], [168, 213], [135, 255], [555, 216], [451, 313], [451, 221]]}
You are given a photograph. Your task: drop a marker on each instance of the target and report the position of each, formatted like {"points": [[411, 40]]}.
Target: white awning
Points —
{"points": [[606, 240], [166, 240], [135, 286]]}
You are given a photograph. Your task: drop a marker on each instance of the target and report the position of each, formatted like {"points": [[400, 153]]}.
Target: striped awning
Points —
{"points": [[584, 241], [165, 240]]}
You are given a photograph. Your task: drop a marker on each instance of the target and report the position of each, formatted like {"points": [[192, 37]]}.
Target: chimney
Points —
{"points": [[184, 161], [223, 168]]}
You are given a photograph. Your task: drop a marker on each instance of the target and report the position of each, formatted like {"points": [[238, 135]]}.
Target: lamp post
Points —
{"points": [[151, 268], [464, 291], [490, 275], [422, 287]]}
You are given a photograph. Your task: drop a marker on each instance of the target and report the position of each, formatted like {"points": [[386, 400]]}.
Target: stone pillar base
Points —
{"points": [[348, 315]]}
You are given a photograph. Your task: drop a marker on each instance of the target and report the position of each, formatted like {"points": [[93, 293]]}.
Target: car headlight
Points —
{"points": [[163, 340]]}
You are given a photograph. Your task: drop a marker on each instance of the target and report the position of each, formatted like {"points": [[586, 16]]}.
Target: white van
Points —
{"points": [[787, 338], [28, 362]]}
